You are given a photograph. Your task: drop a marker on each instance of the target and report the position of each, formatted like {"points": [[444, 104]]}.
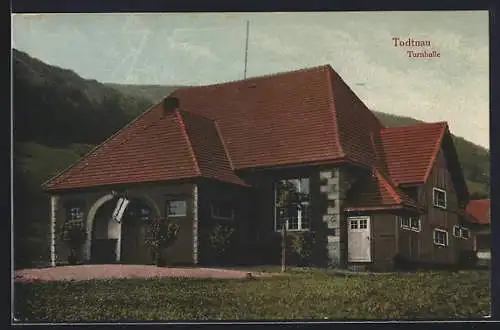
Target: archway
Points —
{"points": [[133, 232], [109, 240]]}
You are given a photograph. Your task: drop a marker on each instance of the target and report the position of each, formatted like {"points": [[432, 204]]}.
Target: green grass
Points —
{"points": [[300, 295]]}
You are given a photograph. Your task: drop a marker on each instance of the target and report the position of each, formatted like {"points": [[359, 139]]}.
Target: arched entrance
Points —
{"points": [[133, 233], [112, 241]]}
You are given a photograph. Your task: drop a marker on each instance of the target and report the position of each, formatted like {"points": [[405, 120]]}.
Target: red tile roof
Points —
{"points": [[155, 147], [304, 116], [208, 148], [272, 120], [409, 152], [377, 193], [480, 210]]}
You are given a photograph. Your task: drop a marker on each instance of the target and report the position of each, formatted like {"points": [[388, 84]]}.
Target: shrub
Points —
{"points": [[161, 234], [73, 234], [302, 246], [221, 239]]}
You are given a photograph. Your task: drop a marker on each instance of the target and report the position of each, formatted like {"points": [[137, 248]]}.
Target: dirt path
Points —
{"points": [[88, 272]]}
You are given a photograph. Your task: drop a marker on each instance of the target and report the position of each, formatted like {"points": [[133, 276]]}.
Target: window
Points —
{"points": [[176, 208], [410, 223], [405, 222], [295, 192], [363, 224], [222, 210], [461, 232], [354, 224], [439, 198], [415, 223], [440, 237], [74, 212]]}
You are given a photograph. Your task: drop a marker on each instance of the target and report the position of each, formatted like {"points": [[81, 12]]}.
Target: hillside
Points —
{"points": [[153, 93], [59, 117]]}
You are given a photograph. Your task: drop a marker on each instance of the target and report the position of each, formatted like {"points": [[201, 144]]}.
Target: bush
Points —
{"points": [[221, 240], [301, 245], [73, 234], [161, 234]]}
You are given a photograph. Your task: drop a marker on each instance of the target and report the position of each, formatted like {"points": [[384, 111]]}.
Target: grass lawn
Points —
{"points": [[309, 294]]}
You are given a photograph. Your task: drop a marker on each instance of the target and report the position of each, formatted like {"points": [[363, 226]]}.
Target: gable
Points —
{"points": [[449, 169], [409, 152]]}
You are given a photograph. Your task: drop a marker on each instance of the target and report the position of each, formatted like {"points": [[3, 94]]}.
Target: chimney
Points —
{"points": [[170, 103]]}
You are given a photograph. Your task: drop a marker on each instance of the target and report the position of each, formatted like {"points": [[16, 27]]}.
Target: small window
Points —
{"points": [[410, 223], [461, 232], [74, 212], [415, 223], [405, 222], [176, 208], [465, 233], [363, 224], [440, 237], [222, 210], [354, 224], [439, 198]]}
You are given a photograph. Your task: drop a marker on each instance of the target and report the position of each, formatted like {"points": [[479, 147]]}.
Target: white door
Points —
{"points": [[358, 239]]}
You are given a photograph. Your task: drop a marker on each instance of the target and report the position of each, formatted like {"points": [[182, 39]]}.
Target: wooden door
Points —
{"points": [[129, 240], [134, 223], [358, 238]]}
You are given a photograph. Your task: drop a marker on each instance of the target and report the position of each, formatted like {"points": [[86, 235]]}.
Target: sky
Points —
{"points": [[205, 48]]}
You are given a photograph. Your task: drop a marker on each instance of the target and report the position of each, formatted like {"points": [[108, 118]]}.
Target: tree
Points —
{"points": [[161, 235], [288, 202]]}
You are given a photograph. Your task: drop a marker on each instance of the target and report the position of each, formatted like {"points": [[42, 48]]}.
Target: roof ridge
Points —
{"points": [[436, 151], [413, 126], [333, 110], [223, 142], [264, 76], [188, 140], [98, 146], [380, 159], [194, 114], [388, 186]]}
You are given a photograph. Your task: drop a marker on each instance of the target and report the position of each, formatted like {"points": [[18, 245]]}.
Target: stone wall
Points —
{"points": [[334, 184]]}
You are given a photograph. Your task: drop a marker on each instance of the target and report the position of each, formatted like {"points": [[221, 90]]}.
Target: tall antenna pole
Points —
{"points": [[246, 51]]}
